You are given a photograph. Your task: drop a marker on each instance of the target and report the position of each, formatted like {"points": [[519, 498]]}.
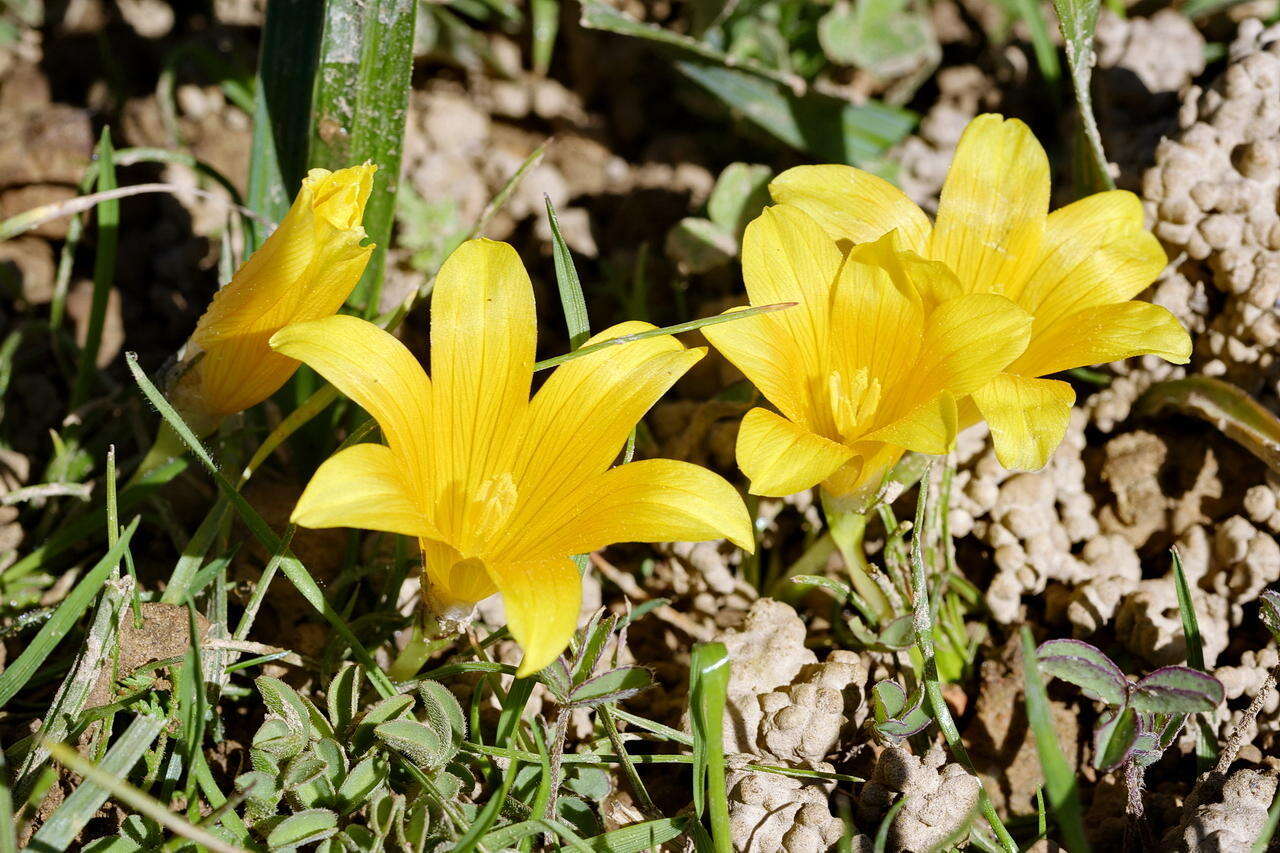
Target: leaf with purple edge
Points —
{"points": [[1086, 667], [1114, 738], [1269, 611], [1177, 690], [611, 686]]}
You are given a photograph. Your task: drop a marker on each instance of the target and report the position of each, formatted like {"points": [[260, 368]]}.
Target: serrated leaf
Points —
{"points": [[444, 714], [342, 699], [1114, 737], [1086, 667], [596, 636], [1269, 612], [304, 827], [417, 741], [360, 783], [611, 686], [1177, 690], [740, 193], [384, 710], [285, 703]]}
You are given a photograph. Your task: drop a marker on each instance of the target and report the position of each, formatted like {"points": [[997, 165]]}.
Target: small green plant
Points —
{"points": [[700, 244], [896, 715], [354, 776], [1142, 718]]}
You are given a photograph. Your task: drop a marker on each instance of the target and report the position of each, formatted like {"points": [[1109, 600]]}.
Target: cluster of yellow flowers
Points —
{"points": [[904, 332]]}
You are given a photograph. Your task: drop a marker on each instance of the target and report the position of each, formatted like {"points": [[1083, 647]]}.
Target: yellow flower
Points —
{"points": [[870, 363], [501, 489], [305, 270], [1076, 270]]}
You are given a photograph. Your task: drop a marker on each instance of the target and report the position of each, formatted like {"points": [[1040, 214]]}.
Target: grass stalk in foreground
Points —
{"points": [[923, 624]]}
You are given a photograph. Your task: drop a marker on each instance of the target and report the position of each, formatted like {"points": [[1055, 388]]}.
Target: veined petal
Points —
{"points": [[781, 458], [874, 325], [991, 215], [542, 600], [376, 371], [852, 205], [654, 500], [930, 427], [787, 257], [305, 270], [863, 474], [581, 417], [967, 341], [1028, 418], [1105, 333], [1096, 252], [763, 349], [453, 583], [362, 486], [483, 337], [929, 283]]}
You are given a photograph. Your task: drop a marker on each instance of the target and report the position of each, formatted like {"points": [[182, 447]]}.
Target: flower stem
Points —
{"points": [[847, 529], [425, 641]]}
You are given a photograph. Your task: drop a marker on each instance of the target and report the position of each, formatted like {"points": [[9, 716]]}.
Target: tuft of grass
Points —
{"points": [[104, 271]]}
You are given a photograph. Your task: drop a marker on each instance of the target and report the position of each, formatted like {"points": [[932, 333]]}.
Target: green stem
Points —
{"points": [[923, 624], [425, 642], [847, 529]]}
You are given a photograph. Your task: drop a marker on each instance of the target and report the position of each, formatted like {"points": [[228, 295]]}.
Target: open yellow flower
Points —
{"points": [[501, 489], [870, 363], [1076, 270], [305, 270]]}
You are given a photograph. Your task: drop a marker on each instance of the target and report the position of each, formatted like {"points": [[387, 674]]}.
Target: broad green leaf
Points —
{"points": [[304, 827], [888, 38], [699, 245], [1177, 690], [343, 696], [442, 710], [1114, 737], [1084, 666], [740, 193], [899, 633], [283, 701], [419, 742], [709, 670], [360, 783], [386, 709], [888, 700], [359, 108], [1240, 418]]}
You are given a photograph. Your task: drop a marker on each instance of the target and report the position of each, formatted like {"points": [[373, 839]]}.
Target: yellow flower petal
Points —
{"points": [[929, 428], [787, 257], [967, 341], [453, 583], [581, 417], [766, 354], [781, 458], [859, 479], [305, 270], [1028, 418], [852, 205], [362, 486], [1096, 252], [991, 215], [483, 337], [1106, 333], [376, 371], [928, 282], [542, 600], [654, 500]]}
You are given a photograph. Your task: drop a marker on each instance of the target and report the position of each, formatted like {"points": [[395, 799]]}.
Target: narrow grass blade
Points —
{"points": [[110, 782], [8, 830], [360, 103], [1268, 829], [571, 298], [1060, 782], [1240, 418], [291, 566], [82, 804], [923, 624], [17, 674], [546, 23], [709, 669], [677, 329], [282, 106], [193, 555], [1190, 624], [638, 837], [1076, 20], [882, 832], [1032, 14], [104, 271]]}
